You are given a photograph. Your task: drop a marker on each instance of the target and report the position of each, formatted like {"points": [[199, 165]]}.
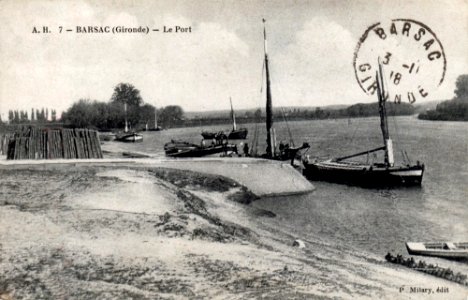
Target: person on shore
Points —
{"points": [[246, 149]]}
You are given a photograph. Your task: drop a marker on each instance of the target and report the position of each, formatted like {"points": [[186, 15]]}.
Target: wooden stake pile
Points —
{"points": [[37, 143], [4, 138]]}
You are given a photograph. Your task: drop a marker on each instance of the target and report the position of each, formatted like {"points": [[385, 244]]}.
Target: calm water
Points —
{"points": [[369, 220]]}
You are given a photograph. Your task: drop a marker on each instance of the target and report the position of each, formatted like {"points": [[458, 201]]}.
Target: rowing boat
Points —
{"points": [[442, 249]]}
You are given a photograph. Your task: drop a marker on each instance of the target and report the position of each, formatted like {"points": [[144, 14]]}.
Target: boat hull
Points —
{"points": [[130, 138], [154, 129], [240, 134], [438, 250], [364, 175], [209, 135], [192, 150]]}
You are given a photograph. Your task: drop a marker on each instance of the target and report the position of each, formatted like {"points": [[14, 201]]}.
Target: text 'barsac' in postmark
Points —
{"points": [[412, 57]]}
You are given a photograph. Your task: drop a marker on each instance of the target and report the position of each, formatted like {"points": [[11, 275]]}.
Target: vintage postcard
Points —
{"points": [[277, 149]]}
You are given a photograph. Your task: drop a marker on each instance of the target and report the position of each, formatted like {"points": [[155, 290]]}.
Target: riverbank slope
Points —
{"points": [[148, 232]]}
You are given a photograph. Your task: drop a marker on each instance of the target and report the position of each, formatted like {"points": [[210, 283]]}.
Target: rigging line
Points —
{"points": [[352, 137], [397, 134], [261, 85], [287, 126], [258, 119], [395, 125], [255, 141]]}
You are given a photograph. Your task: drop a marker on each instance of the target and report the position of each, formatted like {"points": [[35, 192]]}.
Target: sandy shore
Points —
{"points": [[86, 232], [261, 176]]}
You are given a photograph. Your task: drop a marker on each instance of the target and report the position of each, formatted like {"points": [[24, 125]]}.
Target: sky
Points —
{"points": [[311, 48]]}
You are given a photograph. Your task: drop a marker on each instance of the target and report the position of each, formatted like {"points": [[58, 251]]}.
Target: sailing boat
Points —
{"points": [[376, 174], [235, 134], [126, 136], [283, 152], [156, 127]]}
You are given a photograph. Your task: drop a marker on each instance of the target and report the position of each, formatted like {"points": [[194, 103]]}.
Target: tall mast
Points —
{"points": [[126, 123], [269, 109], [233, 116], [155, 118], [389, 160]]}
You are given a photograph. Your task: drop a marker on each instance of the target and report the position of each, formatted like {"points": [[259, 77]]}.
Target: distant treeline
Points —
{"points": [[86, 113], [111, 115], [23, 116], [451, 110], [353, 111]]}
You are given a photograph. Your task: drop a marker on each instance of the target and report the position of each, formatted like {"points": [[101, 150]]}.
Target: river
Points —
{"points": [[373, 221]]}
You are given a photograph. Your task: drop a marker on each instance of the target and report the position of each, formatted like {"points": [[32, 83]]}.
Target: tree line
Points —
{"points": [[125, 103], [353, 111], [451, 110], [38, 116]]}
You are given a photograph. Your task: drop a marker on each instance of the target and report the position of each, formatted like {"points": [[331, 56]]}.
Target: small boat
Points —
{"points": [[126, 136], [208, 135], [235, 134], [129, 137], [156, 127], [238, 134], [364, 174], [185, 149], [447, 249]]}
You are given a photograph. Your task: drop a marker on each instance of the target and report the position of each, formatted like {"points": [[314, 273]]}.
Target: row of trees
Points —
{"points": [[353, 111], [356, 110], [126, 103], [452, 110], [22, 116], [112, 114]]}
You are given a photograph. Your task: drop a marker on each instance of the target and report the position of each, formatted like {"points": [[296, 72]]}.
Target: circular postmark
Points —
{"points": [[412, 58]]}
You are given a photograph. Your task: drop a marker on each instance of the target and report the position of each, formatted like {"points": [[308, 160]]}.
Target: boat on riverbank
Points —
{"points": [[156, 127], [235, 134], [368, 174], [186, 149], [127, 136], [209, 135], [446, 249]]}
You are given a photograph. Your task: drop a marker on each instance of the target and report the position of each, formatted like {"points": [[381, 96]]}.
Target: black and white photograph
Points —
{"points": [[223, 149]]}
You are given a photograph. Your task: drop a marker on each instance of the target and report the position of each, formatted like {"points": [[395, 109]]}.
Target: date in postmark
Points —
{"points": [[412, 57]]}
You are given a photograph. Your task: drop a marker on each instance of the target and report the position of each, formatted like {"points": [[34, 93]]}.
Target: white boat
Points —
{"points": [[440, 249], [127, 136]]}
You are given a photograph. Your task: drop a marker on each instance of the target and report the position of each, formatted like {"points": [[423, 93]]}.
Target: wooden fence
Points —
{"points": [[45, 143]]}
